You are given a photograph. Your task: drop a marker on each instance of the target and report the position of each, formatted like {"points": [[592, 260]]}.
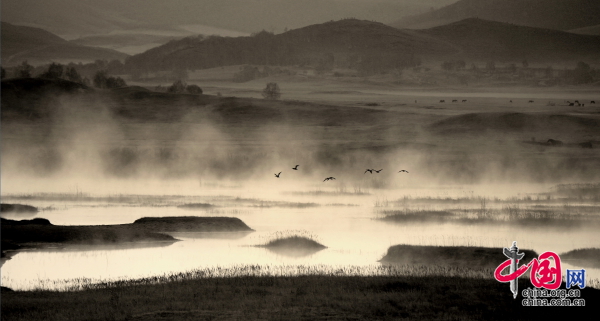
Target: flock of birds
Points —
{"points": [[370, 170]]}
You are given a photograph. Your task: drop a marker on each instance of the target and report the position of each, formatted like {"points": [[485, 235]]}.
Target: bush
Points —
{"points": [[101, 80], [177, 87], [271, 91], [194, 89], [54, 71]]}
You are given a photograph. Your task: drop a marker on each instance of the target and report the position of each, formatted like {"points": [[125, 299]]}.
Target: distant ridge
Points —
{"points": [[550, 14], [482, 39], [344, 43], [356, 44], [39, 46]]}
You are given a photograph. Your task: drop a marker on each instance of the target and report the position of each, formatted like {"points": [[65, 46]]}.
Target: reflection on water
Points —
{"points": [[352, 236]]}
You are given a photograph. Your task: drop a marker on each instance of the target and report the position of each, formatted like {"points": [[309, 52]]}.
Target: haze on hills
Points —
{"points": [[550, 14], [38, 46], [357, 44], [78, 18]]}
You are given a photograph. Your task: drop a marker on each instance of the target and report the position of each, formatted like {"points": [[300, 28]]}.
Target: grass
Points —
{"points": [[388, 293], [404, 216], [499, 212]]}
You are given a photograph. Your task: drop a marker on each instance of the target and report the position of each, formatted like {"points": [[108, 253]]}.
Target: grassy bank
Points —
{"points": [[287, 298], [39, 231]]}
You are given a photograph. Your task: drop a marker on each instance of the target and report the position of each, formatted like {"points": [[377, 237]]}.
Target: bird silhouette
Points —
{"points": [[369, 170], [405, 171], [277, 175], [377, 171], [295, 168], [328, 179]]}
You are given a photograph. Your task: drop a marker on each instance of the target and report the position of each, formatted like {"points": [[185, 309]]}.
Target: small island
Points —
{"points": [[40, 232], [293, 245]]}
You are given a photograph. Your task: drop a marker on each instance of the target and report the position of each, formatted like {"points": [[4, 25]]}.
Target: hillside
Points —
{"points": [[372, 47], [39, 46], [550, 14], [347, 43], [482, 39], [75, 18]]}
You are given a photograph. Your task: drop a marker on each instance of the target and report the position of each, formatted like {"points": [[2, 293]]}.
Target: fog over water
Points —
{"points": [[85, 166]]}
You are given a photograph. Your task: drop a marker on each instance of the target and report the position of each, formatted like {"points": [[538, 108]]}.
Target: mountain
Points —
{"points": [[37, 46], [490, 40], [67, 18], [590, 30], [373, 47], [348, 43], [76, 18], [550, 14]]}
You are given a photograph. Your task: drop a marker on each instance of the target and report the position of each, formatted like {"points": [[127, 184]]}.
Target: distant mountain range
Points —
{"points": [[347, 43], [490, 40], [73, 19], [39, 46], [549, 14], [357, 44]]}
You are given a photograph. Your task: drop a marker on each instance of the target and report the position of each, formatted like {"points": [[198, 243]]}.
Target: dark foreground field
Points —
{"points": [[289, 298]]}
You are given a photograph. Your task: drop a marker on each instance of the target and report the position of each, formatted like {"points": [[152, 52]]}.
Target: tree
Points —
{"points": [[55, 71], [177, 87], [3, 73], [24, 70], [72, 75], [582, 73], [118, 82], [100, 79], [271, 91], [194, 89]]}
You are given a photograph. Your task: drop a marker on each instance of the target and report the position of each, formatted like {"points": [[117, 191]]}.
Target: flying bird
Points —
{"points": [[277, 175], [405, 171], [328, 179], [377, 171], [295, 168], [369, 170]]}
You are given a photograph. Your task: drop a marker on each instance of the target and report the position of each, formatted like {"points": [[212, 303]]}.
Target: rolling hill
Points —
{"points": [[373, 47], [550, 14], [38, 46], [481, 39], [77, 18], [348, 43]]}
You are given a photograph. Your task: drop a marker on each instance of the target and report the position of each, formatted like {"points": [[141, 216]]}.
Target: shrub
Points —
{"points": [[271, 91], [177, 87], [194, 89]]}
